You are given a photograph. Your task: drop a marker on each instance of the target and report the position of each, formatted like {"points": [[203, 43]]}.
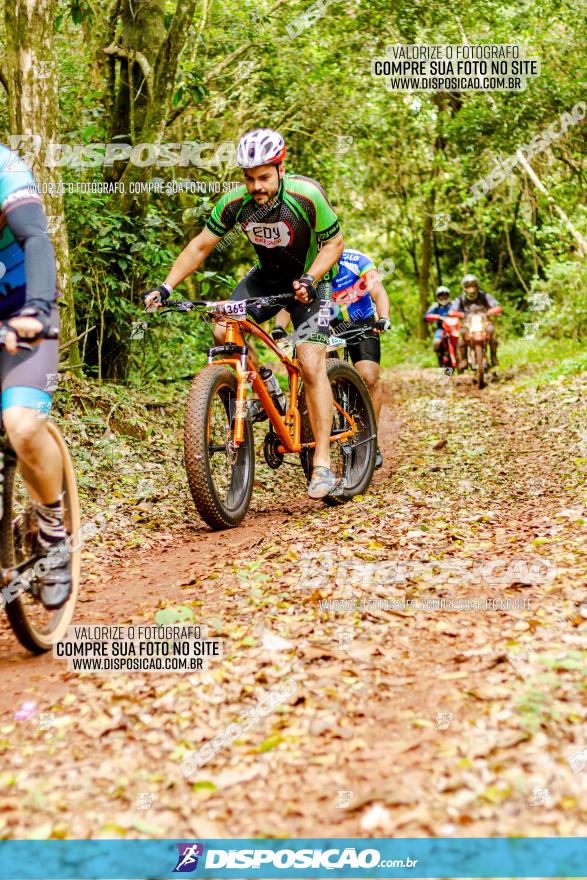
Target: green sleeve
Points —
{"points": [[318, 209], [327, 225], [224, 213]]}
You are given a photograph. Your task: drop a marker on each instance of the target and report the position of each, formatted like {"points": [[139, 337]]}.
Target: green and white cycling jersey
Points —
{"points": [[286, 231]]}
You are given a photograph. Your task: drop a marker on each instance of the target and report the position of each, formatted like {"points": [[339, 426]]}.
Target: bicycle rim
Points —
{"points": [[36, 627], [220, 474], [351, 459]]}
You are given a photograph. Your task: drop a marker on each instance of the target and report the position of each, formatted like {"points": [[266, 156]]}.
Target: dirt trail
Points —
{"points": [[128, 591], [429, 721]]}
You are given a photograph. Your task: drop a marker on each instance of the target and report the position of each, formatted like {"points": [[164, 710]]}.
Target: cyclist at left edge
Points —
{"points": [[28, 292]]}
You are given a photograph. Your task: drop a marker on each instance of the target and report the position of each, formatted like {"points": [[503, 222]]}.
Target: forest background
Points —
{"points": [[397, 167]]}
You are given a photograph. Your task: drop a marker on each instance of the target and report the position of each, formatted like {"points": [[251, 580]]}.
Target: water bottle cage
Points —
{"points": [[274, 389]]}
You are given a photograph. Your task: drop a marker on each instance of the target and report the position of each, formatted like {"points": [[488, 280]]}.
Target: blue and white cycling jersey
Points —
{"points": [[438, 309], [17, 185], [349, 288]]}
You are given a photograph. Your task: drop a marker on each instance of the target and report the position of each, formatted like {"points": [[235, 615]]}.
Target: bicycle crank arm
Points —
{"points": [[8, 574], [348, 448]]}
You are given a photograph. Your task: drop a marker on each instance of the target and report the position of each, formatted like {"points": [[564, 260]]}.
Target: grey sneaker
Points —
{"points": [[323, 483], [54, 587]]}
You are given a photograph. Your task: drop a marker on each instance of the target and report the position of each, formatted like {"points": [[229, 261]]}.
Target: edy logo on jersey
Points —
{"points": [[269, 235]]}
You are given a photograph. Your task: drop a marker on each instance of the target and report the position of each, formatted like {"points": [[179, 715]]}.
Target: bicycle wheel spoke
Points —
{"points": [[37, 627], [350, 463]]}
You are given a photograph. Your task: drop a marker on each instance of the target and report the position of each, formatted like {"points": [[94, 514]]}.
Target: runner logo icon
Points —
{"points": [[187, 860]]}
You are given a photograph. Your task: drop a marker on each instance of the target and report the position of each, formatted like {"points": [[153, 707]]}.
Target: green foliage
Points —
{"points": [[566, 285], [106, 253], [387, 160]]}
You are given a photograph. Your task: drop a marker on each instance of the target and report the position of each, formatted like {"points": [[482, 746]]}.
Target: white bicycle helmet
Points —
{"points": [[469, 281], [261, 146]]}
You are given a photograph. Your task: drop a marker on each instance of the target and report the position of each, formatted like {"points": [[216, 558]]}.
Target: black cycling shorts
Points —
{"points": [[29, 378], [366, 349], [311, 321]]}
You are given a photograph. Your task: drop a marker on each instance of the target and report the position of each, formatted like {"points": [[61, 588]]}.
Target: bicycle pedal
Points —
{"points": [[337, 490], [257, 412]]}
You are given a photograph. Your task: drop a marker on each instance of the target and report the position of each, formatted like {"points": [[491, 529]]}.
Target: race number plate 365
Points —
{"points": [[236, 309]]}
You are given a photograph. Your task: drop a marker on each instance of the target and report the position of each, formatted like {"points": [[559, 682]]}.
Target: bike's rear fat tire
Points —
{"points": [[34, 639], [480, 365], [213, 510], [338, 369]]}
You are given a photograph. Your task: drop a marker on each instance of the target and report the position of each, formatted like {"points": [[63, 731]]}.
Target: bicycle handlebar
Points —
{"points": [[190, 305], [353, 333], [23, 343]]}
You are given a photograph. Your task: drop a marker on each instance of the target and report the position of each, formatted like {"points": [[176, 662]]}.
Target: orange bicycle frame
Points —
{"points": [[288, 427]]}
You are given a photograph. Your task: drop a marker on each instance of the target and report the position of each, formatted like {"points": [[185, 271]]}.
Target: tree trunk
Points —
{"points": [[142, 33], [33, 109], [158, 84], [437, 258], [148, 57], [424, 273]]}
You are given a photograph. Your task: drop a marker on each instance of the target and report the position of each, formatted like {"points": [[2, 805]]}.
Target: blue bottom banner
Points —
{"points": [[310, 858]]}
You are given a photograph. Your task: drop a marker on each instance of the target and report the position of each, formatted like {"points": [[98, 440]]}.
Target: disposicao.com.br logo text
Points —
{"points": [[329, 859]]}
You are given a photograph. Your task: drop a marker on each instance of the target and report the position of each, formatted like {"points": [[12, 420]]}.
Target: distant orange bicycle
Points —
{"points": [[218, 433]]}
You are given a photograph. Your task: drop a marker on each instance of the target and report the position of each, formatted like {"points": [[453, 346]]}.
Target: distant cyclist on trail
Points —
{"points": [[358, 294], [473, 298], [295, 232], [437, 312], [27, 303]]}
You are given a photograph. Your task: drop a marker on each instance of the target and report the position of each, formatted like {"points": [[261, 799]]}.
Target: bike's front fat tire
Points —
{"points": [[219, 512], [361, 469], [480, 365], [39, 633]]}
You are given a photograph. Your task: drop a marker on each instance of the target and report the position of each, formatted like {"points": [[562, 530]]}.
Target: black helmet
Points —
{"points": [[470, 281], [442, 293]]}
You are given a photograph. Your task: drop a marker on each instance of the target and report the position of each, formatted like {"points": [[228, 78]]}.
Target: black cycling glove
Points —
{"points": [[383, 324], [164, 291], [309, 282], [277, 333]]}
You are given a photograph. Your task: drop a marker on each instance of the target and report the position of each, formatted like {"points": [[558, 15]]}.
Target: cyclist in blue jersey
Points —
{"points": [[28, 289], [357, 294], [440, 308]]}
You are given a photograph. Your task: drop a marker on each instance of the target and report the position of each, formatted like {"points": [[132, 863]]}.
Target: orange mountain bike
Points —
{"points": [[218, 433]]}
